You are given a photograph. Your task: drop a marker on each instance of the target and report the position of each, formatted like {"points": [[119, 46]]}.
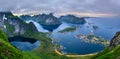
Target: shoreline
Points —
{"points": [[70, 55]]}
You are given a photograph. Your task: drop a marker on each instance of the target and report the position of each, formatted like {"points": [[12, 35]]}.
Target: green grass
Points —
{"points": [[6, 49], [109, 54], [3, 36]]}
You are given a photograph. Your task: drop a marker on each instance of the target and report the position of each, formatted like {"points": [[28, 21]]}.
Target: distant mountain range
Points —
{"points": [[73, 19], [50, 19], [50, 22]]}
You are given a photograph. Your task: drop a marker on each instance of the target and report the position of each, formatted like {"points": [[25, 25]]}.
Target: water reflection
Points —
{"points": [[24, 43]]}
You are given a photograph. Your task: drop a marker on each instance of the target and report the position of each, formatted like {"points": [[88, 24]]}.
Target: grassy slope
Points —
{"points": [[7, 51], [109, 54]]}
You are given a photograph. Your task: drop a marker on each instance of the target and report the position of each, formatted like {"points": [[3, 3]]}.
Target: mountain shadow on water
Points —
{"points": [[22, 39], [50, 27]]}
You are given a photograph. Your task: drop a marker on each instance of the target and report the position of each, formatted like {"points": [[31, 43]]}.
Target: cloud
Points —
{"points": [[61, 6]]}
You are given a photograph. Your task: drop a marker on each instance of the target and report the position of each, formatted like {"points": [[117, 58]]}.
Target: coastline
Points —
{"points": [[67, 55]]}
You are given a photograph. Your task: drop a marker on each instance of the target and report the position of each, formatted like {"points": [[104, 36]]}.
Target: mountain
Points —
{"points": [[115, 40], [13, 25], [48, 21], [26, 17], [73, 19], [112, 51]]}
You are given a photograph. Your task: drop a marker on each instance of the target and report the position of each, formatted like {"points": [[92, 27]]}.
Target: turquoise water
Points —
{"points": [[107, 27]]}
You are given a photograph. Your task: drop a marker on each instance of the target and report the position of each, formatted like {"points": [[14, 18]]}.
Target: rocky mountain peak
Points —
{"points": [[51, 14], [115, 40], [6, 13], [33, 27]]}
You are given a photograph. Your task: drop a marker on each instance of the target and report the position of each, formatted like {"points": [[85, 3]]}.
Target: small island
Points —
{"points": [[69, 29], [93, 39], [95, 27]]}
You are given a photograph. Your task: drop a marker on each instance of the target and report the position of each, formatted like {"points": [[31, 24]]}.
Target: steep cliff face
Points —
{"points": [[12, 25], [16, 23], [2, 17], [115, 40], [49, 19], [33, 27]]}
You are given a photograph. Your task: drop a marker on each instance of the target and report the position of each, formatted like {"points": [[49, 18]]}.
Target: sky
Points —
{"points": [[98, 8]]}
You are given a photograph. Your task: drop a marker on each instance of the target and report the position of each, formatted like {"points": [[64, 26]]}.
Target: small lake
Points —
{"points": [[107, 27], [24, 43]]}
